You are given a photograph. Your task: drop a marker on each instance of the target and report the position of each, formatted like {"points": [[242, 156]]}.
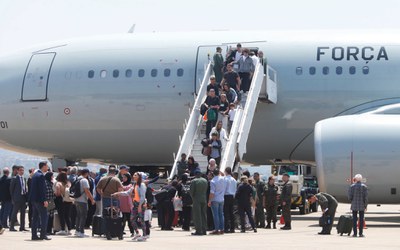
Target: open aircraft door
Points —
{"points": [[36, 79]]}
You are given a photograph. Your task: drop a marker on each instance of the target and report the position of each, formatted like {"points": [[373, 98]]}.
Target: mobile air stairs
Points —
{"points": [[263, 89]]}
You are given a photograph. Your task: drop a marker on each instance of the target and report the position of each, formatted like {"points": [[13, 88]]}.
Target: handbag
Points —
{"points": [[51, 205], [324, 220], [211, 115], [177, 202], [206, 151]]}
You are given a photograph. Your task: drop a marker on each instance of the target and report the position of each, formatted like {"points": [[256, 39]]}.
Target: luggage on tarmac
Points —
{"points": [[114, 226], [97, 227], [345, 225]]}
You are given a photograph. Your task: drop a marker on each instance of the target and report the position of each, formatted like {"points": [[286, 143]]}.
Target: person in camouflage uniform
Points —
{"points": [[270, 201], [259, 214]]}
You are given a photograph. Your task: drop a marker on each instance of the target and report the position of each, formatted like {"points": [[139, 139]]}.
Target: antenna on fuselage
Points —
{"points": [[132, 29]]}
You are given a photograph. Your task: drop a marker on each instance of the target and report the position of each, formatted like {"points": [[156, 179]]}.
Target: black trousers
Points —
{"points": [[245, 209], [20, 207], [126, 217], [90, 214], [210, 125], [229, 217], [186, 217], [328, 227], [167, 214], [245, 78]]}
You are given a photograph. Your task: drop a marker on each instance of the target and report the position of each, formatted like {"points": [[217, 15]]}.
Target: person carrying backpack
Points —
{"points": [[187, 202]]}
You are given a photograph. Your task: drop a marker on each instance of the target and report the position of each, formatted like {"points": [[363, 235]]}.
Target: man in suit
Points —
{"points": [[198, 191], [328, 205], [18, 191], [286, 201], [5, 198], [37, 196]]}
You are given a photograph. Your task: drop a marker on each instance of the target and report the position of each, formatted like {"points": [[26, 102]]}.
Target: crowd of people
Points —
{"points": [[232, 78], [218, 202]]}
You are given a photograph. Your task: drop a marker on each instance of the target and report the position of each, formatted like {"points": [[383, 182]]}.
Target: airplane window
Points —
{"points": [[153, 72], [128, 73], [339, 70], [312, 70], [91, 73], [325, 70], [141, 73], [352, 70], [103, 73], [167, 72], [179, 72], [365, 70], [115, 73], [299, 71]]}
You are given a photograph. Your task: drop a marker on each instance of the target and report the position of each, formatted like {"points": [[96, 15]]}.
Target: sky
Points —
{"points": [[24, 23], [27, 22]]}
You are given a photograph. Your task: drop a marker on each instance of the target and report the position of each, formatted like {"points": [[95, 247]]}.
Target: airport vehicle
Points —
{"points": [[297, 178], [124, 98]]}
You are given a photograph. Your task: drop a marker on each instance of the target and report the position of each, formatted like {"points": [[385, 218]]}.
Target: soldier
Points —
{"points": [[328, 206], [198, 191], [260, 215], [286, 201], [271, 202]]}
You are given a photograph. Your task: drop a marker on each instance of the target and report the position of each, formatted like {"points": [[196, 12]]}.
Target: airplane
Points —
{"points": [[123, 99]]}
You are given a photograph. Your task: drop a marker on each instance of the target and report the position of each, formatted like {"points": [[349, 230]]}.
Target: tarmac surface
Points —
{"points": [[383, 233]]}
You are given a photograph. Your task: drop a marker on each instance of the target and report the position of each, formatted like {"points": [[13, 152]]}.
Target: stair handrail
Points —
{"points": [[195, 120], [249, 109], [239, 131]]}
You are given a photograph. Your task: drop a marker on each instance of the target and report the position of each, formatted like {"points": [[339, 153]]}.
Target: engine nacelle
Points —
{"points": [[366, 144]]}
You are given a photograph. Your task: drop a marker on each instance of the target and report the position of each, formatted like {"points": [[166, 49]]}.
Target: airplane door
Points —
{"points": [[36, 79], [205, 55]]}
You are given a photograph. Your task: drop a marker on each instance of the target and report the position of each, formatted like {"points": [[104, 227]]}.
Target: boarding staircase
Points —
{"points": [[263, 89]]}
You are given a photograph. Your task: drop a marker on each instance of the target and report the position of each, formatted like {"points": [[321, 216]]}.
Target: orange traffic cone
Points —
{"points": [[282, 220], [358, 224]]}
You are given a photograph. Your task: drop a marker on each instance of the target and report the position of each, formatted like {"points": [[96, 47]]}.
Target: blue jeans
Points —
{"points": [[217, 209], [39, 217], [5, 212], [106, 202]]}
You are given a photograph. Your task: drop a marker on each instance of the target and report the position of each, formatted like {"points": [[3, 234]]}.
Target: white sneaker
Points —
{"points": [[146, 237], [77, 233], [142, 238], [137, 236], [2, 231], [62, 232], [69, 233]]}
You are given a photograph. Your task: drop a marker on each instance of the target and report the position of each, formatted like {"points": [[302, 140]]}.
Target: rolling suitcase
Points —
{"points": [[97, 227], [345, 225], [114, 223]]}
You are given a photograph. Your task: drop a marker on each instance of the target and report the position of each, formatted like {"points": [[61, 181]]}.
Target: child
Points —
{"points": [[231, 114], [148, 215]]}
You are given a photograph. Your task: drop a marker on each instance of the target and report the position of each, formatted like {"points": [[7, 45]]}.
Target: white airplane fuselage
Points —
{"points": [[92, 108]]}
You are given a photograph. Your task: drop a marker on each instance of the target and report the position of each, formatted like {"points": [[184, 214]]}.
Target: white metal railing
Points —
{"points": [[249, 109], [242, 122], [195, 121]]}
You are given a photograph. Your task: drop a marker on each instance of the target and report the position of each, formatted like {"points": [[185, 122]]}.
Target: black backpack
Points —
{"points": [[75, 189], [186, 197]]}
